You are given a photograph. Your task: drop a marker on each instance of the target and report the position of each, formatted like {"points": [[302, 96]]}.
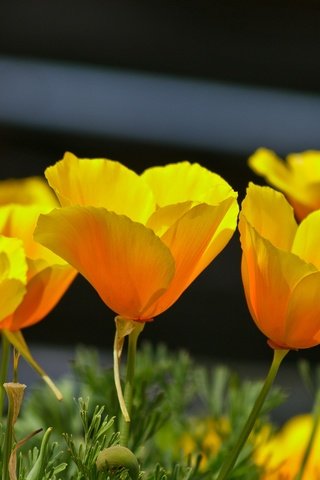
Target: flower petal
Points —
{"points": [[269, 276], [307, 240], [303, 317], [194, 240], [13, 275], [27, 191], [19, 221], [182, 182], [101, 183], [126, 262], [44, 289], [270, 214]]}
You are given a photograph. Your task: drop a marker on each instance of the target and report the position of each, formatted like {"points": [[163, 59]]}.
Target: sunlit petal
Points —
{"points": [[269, 275], [194, 241], [307, 240], [298, 177], [182, 182], [101, 183], [13, 275], [270, 214], [126, 262], [19, 221]]}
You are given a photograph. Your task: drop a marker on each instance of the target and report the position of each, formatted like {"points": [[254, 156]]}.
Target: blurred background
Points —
{"points": [[154, 82]]}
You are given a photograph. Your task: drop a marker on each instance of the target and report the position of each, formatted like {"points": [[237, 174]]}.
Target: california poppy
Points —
{"points": [[48, 276], [140, 240], [298, 178], [281, 268]]}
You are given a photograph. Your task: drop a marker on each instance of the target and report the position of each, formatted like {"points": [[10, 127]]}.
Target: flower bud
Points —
{"points": [[117, 457]]}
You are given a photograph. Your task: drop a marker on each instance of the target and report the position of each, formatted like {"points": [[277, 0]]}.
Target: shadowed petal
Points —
{"points": [[101, 183], [125, 262]]}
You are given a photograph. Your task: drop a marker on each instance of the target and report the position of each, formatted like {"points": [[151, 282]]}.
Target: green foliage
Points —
{"points": [[173, 398]]}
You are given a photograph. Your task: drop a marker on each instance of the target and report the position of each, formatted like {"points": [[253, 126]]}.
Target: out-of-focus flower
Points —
{"points": [[204, 436], [282, 454], [281, 269], [139, 240], [298, 178], [48, 276], [13, 275]]}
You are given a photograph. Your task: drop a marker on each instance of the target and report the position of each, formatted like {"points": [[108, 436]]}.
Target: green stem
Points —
{"points": [[315, 425], [8, 440], [5, 353], [128, 389], [231, 459]]}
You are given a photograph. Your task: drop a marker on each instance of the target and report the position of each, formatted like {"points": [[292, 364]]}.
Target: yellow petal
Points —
{"points": [[19, 221], [13, 262], [101, 183], [306, 165], [269, 275], [46, 286], [266, 163], [12, 292], [182, 182], [164, 217], [298, 177], [125, 262], [13, 274], [307, 240], [270, 214], [194, 241], [303, 317], [27, 191]]}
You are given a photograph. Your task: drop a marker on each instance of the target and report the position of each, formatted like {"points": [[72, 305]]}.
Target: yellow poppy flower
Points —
{"points": [[282, 454], [48, 276], [140, 240], [298, 178], [13, 275], [281, 268]]}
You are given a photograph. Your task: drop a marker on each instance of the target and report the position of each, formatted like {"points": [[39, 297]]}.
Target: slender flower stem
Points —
{"points": [[315, 425], [128, 390], [231, 459], [5, 353], [15, 393]]}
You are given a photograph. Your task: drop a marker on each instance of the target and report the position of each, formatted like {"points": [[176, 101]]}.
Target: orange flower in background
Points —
{"points": [[298, 178], [281, 268], [48, 276], [140, 240], [282, 454]]}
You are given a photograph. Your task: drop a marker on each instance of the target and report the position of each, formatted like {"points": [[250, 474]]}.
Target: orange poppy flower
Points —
{"points": [[48, 276], [281, 268], [298, 178], [140, 240]]}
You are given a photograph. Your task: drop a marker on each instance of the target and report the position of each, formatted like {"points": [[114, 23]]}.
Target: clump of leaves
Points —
{"points": [[174, 399]]}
